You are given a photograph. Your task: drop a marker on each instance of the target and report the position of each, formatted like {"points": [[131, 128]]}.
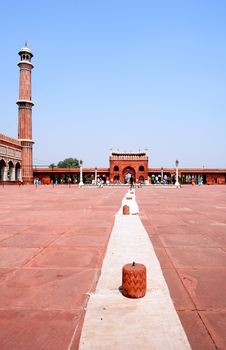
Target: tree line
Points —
{"points": [[66, 163]]}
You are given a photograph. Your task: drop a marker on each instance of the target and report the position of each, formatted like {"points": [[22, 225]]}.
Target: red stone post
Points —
{"points": [[125, 210], [134, 280]]}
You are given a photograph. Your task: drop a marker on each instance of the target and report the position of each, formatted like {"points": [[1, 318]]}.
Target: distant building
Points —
{"points": [[136, 164], [123, 164]]}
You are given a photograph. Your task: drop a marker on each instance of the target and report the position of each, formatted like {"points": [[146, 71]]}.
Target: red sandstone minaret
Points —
{"points": [[25, 105]]}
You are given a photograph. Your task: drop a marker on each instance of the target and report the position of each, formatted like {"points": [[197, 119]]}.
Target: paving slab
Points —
{"points": [[54, 289], [189, 257], [189, 240], [12, 229], [207, 287], [80, 239], [26, 240], [47, 229], [5, 273], [4, 236], [37, 329], [163, 257], [68, 257], [180, 296], [216, 322], [16, 257], [196, 330]]}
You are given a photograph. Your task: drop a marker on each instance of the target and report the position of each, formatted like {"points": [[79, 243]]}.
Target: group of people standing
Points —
{"points": [[100, 182]]}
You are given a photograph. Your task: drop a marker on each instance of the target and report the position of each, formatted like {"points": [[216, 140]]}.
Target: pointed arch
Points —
{"points": [[2, 170], [17, 171], [11, 171]]}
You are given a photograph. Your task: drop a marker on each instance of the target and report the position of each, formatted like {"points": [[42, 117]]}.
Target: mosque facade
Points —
{"points": [[16, 161]]}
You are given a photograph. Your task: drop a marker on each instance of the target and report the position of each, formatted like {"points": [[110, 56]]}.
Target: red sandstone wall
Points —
{"points": [[215, 179], [25, 124]]}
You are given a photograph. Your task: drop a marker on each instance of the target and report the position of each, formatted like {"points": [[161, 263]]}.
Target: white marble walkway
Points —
{"points": [[115, 322]]}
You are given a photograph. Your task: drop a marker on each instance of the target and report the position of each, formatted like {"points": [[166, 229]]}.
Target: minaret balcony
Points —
{"points": [[25, 65], [25, 103]]}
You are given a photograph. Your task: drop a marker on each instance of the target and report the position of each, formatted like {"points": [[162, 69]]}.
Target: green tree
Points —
{"points": [[68, 163], [52, 165]]}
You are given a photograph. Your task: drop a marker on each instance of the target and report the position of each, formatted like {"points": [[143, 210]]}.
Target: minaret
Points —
{"points": [[25, 105]]}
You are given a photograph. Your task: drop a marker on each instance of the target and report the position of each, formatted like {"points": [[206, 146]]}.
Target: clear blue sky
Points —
{"points": [[119, 74]]}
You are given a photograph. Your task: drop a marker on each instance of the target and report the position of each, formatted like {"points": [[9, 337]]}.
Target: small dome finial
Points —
{"points": [[25, 45]]}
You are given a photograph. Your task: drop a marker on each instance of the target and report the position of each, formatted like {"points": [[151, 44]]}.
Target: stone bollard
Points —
{"points": [[125, 210], [134, 280]]}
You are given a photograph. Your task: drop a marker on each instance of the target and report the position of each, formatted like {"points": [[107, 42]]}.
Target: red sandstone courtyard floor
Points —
{"points": [[188, 230], [52, 244]]}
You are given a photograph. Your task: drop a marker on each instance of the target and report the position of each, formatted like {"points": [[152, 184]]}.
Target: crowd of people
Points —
{"points": [[99, 181]]}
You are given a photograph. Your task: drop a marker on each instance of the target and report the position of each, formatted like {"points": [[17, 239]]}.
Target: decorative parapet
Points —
{"points": [[10, 140], [117, 155]]}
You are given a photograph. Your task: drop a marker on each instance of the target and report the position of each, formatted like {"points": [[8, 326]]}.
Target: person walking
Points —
{"points": [[131, 182]]}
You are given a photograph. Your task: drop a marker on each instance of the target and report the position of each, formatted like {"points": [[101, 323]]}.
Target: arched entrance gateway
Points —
{"points": [[127, 173]]}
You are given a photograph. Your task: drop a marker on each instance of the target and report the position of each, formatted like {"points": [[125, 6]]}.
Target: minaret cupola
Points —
{"points": [[25, 53]]}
